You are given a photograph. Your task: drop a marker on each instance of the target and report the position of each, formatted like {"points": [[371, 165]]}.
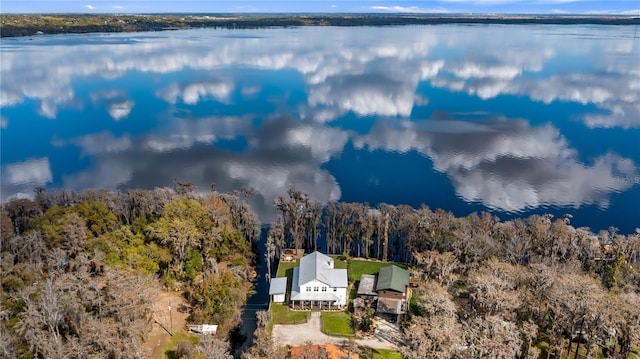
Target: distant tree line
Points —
{"points": [[29, 25], [80, 272]]}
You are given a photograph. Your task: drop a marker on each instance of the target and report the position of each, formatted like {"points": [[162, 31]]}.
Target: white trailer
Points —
{"points": [[205, 329]]}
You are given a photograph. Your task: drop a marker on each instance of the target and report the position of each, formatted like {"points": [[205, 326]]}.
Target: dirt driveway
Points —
{"points": [[159, 337], [385, 337]]}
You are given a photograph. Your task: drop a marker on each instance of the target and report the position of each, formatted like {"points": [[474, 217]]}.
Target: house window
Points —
{"points": [[384, 292], [324, 289], [335, 289], [395, 294], [308, 289], [315, 289]]}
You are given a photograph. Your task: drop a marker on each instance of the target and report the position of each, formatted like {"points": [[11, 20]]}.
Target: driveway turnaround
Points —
{"points": [[386, 336]]}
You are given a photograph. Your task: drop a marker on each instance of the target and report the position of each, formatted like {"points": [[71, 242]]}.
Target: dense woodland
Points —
{"points": [[534, 287], [81, 271]]}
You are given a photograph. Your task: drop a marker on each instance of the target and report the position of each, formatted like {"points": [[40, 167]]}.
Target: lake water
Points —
{"points": [[512, 119]]}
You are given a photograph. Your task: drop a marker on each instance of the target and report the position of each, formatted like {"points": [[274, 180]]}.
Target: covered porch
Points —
{"points": [[314, 301], [314, 305]]}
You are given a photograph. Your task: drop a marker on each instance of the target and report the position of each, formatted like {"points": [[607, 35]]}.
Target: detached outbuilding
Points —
{"points": [[278, 289], [393, 290], [388, 291]]}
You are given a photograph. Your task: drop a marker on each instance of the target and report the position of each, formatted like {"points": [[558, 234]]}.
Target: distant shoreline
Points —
{"points": [[13, 25]]}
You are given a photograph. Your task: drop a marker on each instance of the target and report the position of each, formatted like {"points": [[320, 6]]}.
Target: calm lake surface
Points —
{"points": [[511, 119]]}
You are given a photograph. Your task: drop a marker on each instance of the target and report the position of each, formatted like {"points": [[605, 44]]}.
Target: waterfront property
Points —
{"points": [[315, 284], [392, 288], [388, 291]]}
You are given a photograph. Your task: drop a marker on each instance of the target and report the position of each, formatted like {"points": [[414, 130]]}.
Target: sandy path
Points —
{"points": [[159, 338]]}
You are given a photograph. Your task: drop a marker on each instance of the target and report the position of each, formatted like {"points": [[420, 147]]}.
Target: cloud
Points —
{"points": [[90, 7], [101, 143], [507, 165], [632, 12], [4, 123], [118, 104], [120, 109], [281, 153], [23, 177], [192, 93], [118, 7], [612, 87], [615, 94], [8, 98], [366, 94], [31, 171], [183, 133], [635, 12], [315, 140], [249, 91], [374, 72], [48, 74], [408, 9]]}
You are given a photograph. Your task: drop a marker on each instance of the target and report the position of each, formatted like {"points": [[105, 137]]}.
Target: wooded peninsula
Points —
{"points": [[81, 273], [37, 24]]}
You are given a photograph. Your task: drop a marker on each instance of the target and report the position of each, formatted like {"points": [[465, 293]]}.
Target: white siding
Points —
{"points": [[278, 298], [312, 284], [340, 292]]}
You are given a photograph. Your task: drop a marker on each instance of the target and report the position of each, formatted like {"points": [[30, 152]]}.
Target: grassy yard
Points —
{"points": [[337, 324], [385, 354], [285, 269], [359, 267], [339, 263], [282, 314], [284, 266]]}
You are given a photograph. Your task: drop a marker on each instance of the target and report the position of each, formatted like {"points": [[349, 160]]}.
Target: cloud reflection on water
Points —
{"points": [[506, 164], [281, 153]]}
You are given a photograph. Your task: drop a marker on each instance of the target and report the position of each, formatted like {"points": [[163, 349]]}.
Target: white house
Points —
{"points": [[278, 289], [317, 284]]}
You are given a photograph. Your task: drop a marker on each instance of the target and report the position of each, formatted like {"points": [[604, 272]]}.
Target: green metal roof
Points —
{"points": [[392, 277]]}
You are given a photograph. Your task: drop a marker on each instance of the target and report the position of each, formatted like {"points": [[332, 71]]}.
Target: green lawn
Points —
{"points": [[337, 324], [285, 269], [359, 267], [283, 266], [385, 354], [339, 263], [282, 314]]}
